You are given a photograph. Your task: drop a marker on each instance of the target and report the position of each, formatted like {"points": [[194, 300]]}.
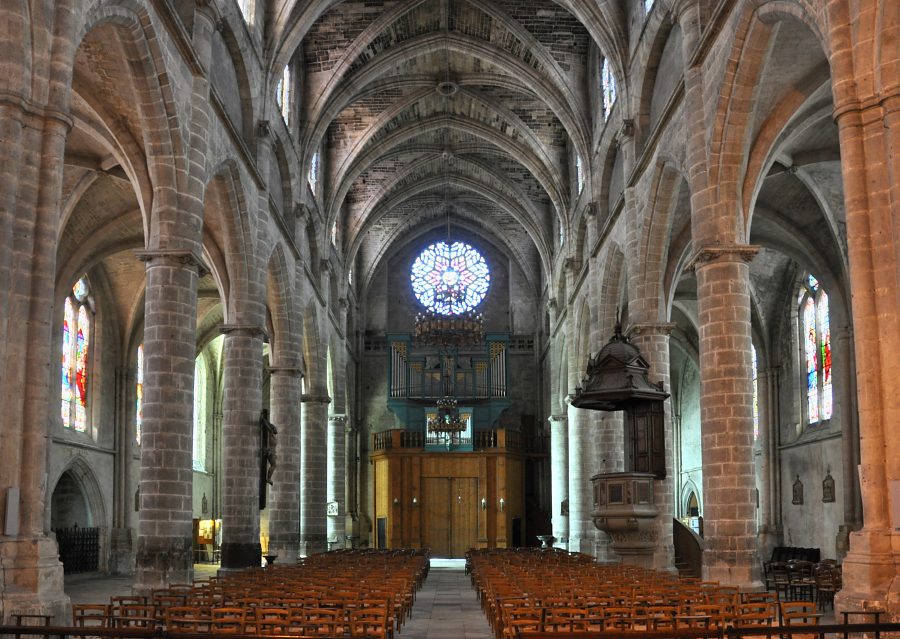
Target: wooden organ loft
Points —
{"points": [[447, 492]]}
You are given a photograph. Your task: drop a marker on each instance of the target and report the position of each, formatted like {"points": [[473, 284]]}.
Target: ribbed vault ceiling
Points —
{"points": [[426, 106]]}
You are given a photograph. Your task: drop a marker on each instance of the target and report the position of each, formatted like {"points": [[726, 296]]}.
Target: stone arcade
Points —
{"points": [[211, 207]]}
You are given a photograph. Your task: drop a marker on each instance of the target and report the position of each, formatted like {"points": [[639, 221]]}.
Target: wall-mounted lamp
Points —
{"points": [[502, 504], [484, 503], [415, 501], [396, 501]]}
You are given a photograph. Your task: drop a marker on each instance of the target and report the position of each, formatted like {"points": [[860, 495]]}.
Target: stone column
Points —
{"points": [[164, 552], [352, 480], [32, 143], [869, 130], [652, 339], [844, 400], [559, 479], [336, 525], [726, 413], [284, 494], [313, 473], [242, 363], [581, 495], [769, 502]]}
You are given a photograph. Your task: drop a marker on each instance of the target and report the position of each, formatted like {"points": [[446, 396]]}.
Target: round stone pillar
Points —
{"points": [[726, 414], [284, 495], [32, 143], [242, 357], [313, 473], [336, 526], [559, 478], [653, 341], [164, 550], [581, 527]]}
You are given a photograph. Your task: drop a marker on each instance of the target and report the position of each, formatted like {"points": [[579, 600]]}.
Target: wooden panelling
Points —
{"points": [[435, 499]]}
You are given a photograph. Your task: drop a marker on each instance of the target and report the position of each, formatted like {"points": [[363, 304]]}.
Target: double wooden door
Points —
{"points": [[450, 515]]}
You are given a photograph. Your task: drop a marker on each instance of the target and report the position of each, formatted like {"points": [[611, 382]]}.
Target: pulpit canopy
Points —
{"points": [[616, 379]]}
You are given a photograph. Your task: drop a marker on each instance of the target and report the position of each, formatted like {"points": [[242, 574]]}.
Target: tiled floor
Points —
{"points": [[446, 607]]}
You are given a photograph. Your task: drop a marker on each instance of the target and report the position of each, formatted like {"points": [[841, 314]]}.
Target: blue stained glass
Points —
{"points": [[450, 279]]}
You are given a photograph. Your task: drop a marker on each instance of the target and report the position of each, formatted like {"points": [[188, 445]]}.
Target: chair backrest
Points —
{"points": [[96, 615]]}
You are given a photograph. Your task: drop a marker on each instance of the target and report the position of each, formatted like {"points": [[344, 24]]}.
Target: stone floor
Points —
{"points": [[446, 607]]}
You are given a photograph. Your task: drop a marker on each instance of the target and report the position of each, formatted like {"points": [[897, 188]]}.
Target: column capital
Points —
{"points": [[315, 399], [337, 419], [172, 257], [715, 253], [34, 111], [292, 371], [653, 328], [247, 330], [558, 418]]}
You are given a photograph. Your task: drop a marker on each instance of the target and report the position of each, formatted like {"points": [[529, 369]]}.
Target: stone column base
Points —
{"points": [[32, 580], [313, 545], [161, 561], [237, 556], [732, 568], [870, 575], [121, 552], [288, 552]]}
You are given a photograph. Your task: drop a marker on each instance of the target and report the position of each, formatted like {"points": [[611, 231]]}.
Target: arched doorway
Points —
{"points": [[76, 517]]}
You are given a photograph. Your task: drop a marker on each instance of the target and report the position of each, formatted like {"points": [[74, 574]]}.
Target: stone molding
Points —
{"points": [[293, 371], [247, 330], [36, 111], [172, 257], [653, 328], [315, 399], [558, 418], [716, 253]]}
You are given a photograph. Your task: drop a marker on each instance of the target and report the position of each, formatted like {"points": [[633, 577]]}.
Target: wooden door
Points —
{"points": [[464, 528], [449, 515], [436, 515]]}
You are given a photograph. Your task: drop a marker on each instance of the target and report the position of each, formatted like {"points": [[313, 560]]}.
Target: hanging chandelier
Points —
{"points": [[436, 329], [447, 421]]}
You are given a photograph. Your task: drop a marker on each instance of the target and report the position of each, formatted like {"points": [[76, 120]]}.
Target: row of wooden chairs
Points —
{"points": [[357, 594], [558, 591]]}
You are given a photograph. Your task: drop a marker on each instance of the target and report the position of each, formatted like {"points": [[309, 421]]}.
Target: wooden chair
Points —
{"points": [[800, 613], [271, 621], [93, 615], [325, 622], [371, 623], [135, 616], [227, 620], [186, 619], [562, 619]]}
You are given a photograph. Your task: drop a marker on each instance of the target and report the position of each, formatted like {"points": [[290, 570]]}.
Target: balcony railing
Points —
{"points": [[499, 438]]}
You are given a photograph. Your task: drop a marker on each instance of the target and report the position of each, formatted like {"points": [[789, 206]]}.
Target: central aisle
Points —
{"points": [[446, 607]]}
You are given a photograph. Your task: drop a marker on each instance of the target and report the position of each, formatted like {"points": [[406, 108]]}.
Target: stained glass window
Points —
{"points": [[579, 173], [816, 333], [75, 361], [755, 393], [139, 394], [824, 352], [450, 279], [283, 94], [313, 177], [607, 88], [334, 234]]}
